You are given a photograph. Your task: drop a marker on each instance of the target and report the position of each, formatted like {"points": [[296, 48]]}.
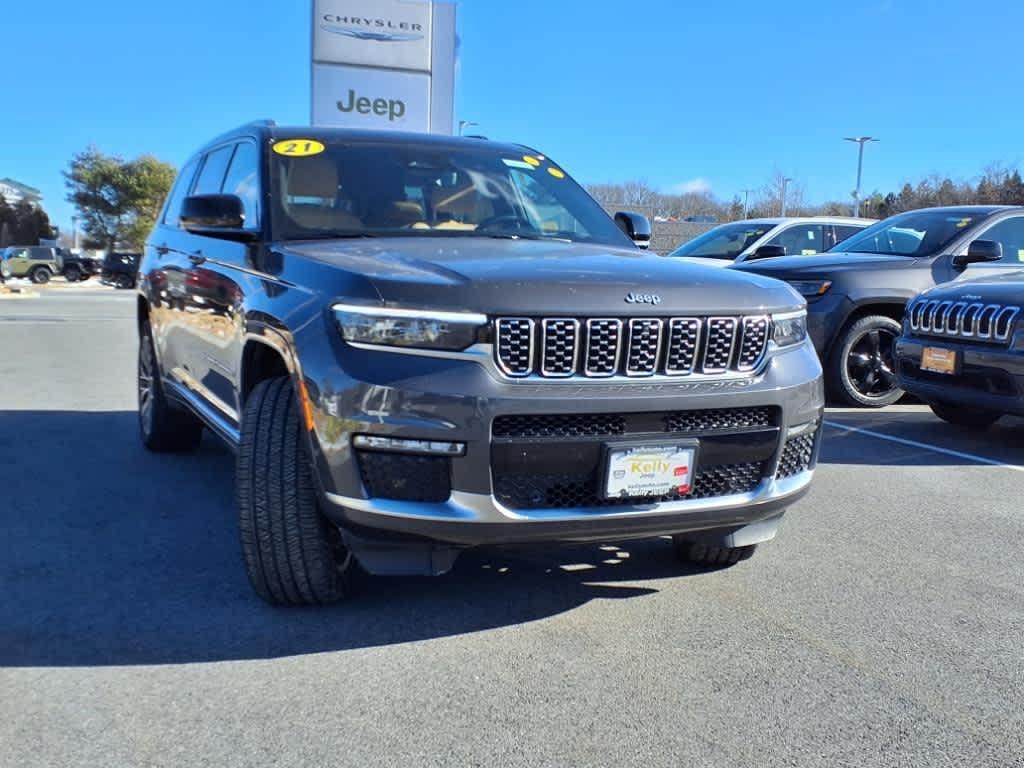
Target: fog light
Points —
{"points": [[400, 445]]}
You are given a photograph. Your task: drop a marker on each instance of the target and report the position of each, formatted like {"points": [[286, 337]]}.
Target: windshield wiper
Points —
{"points": [[339, 235], [516, 236]]}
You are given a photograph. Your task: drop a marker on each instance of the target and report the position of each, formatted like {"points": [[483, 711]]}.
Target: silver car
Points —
{"points": [[740, 241]]}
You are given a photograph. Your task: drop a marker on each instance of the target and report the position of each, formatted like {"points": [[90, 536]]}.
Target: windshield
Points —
{"points": [[918, 233], [354, 188], [725, 242]]}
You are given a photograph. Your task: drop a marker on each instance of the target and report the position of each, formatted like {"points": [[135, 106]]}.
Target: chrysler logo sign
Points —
{"points": [[379, 30]]}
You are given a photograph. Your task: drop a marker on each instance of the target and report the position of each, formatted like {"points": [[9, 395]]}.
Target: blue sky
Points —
{"points": [[721, 93]]}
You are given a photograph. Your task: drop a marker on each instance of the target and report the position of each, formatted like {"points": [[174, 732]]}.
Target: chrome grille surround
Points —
{"points": [[603, 347], [987, 322], [560, 346]]}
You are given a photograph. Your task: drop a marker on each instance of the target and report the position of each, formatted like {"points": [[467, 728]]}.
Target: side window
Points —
{"points": [[1010, 234], [179, 192], [844, 231], [800, 239], [211, 176], [243, 179]]}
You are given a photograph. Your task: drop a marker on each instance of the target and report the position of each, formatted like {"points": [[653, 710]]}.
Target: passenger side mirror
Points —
{"points": [[979, 251], [768, 252], [636, 227], [214, 216]]}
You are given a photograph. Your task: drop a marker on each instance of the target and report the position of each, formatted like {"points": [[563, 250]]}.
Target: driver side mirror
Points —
{"points": [[636, 227], [979, 251], [214, 216], [768, 252]]}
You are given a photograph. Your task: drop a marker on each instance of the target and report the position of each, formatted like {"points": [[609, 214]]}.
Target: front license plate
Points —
{"points": [[649, 469], [938, 360]]}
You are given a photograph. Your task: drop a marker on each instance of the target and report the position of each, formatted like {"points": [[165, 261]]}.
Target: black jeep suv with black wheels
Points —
{"points": [[417, 344], [962, 349], [857, 292]]}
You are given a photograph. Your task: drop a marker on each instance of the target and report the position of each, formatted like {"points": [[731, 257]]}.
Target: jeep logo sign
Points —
{"points": [[393, 108], [356, 97], [643, 298]]}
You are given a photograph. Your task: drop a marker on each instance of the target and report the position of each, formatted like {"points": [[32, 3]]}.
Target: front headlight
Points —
{"points": [[418, 328], [811, 288], [789, 328]]}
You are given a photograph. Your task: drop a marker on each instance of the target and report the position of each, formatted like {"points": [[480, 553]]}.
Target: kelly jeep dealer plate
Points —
{"points": [[650, 469], [938, 360]]}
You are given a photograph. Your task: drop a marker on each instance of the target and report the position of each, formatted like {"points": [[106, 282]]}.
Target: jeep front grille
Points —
{"points": [[961, 319], [559, 347]]}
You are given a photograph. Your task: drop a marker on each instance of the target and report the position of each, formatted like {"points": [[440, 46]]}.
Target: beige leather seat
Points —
{"points": [[317, 177]]}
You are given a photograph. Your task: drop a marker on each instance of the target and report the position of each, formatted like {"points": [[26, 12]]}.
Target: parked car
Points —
{"points": [[740, 241], [962, 348], [856, 294], [36, 262], [418, 344], [121, 269], [77, 267]]}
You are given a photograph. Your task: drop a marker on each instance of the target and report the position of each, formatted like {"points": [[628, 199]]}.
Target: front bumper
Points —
{"points": [[988, 376], [412, 396]]}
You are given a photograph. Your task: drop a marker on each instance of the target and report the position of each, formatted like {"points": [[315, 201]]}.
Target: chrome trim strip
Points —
{"points": [[698, 332], [974, 320], [956, 313], [941, 316], [1014, 311], [484, 508], [574, 363], [473, 318], [657, 348], [210, 417], [991, 323], [618, 348], [497, 345]]}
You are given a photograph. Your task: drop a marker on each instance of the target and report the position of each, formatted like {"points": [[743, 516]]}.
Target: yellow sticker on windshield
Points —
{"points": [[1020, 254], [808, 252], [556, 172], [963, 223], [298, 147], [531, 160]]}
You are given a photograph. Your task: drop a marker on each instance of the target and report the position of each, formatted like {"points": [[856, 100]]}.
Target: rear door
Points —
{"points": [[801, 239]]}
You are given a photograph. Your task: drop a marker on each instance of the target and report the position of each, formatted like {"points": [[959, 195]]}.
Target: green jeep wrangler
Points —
{"points": [[37, 262]]}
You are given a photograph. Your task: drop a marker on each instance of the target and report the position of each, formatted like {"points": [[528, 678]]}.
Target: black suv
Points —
{"points": [[962, 349], [857, 292], [417, 344]]}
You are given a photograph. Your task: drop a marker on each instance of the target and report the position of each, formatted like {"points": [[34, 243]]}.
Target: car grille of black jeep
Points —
{"points": [[560, 347], [796, 456], [961, 319], [556, 461], [405, 477]]}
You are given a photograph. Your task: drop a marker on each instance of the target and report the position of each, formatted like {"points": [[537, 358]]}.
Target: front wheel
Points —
{"points": [[125, 281], [40, 276], [292, 554], [709, 555], [73, 274], [862, 368], [975, 418]]}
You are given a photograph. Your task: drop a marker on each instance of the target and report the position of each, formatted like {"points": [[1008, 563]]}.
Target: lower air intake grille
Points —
{"points": [[561, 491], [404, 477], [796, 456], [611, 424]]}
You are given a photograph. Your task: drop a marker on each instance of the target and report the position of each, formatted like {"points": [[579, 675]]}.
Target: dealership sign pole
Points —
{"points": [[385, 64]]}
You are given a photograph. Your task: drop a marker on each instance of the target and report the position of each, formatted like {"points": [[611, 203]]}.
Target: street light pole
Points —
{"points": [[785, 183], [860, 141]]}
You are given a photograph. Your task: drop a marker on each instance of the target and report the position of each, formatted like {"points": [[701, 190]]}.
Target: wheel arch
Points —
{"points": [[890, 307], [265, 355]]}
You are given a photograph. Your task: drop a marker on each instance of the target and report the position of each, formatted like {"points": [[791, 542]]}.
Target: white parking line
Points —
{"points": [[925, 446]]}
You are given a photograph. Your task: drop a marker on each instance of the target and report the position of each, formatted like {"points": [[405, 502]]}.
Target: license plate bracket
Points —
{"points": [[939, 360], [649, 468]]}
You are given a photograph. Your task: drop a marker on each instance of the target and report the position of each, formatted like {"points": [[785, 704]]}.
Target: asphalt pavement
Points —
{"points": [[884, 627]]}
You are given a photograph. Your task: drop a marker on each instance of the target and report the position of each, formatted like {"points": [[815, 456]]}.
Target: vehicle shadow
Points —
{"points": [[114, 556], [852, 436]]}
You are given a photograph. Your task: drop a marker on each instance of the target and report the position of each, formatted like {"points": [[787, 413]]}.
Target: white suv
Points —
{"points": [[740, 241]]}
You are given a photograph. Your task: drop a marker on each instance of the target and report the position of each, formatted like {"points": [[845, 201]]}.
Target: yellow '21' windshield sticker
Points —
{"points": [[298, 147]]}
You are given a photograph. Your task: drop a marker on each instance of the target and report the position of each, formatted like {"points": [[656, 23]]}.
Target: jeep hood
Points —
{"points": [[1004, 288], [499, 276]]}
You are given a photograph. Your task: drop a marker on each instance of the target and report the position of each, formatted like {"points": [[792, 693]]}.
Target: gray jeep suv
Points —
{"points": [[418, 344]]}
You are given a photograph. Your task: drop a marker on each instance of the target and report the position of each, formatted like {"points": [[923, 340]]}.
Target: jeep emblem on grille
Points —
{"points": [[642, 298]]}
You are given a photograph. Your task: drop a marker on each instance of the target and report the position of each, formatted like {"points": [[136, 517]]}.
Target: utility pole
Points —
{"points": [[746, 202], [860, 141], [785, 183]]}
